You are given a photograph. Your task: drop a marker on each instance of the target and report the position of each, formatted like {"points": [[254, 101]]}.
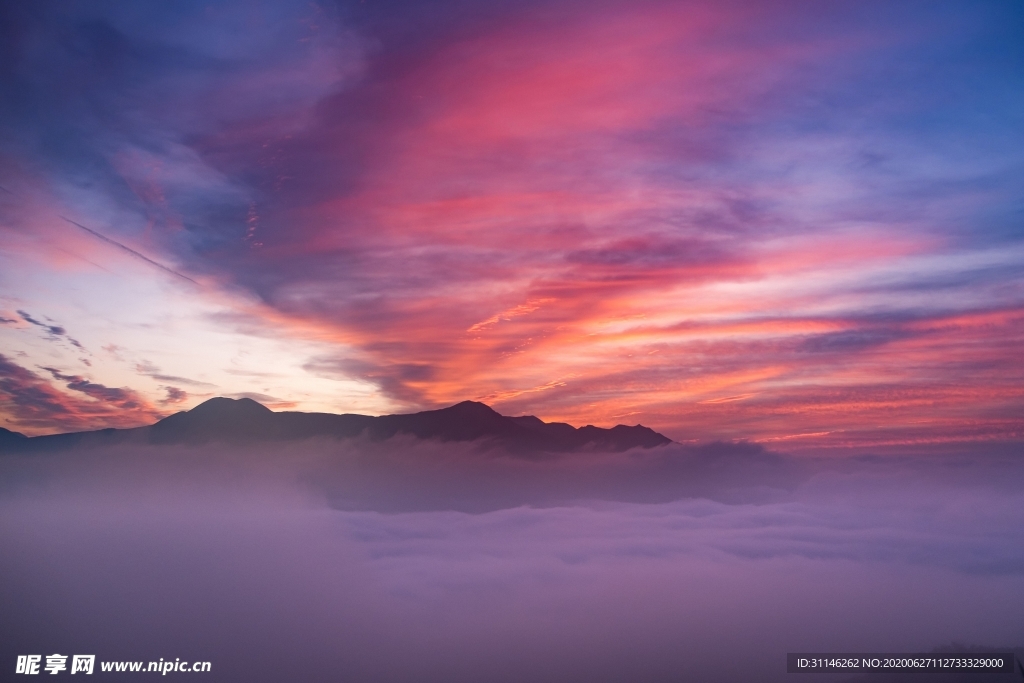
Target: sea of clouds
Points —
{"points": [[421, 561]]}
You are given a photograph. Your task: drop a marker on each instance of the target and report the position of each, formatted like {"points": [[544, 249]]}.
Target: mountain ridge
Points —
{"points": [[247, 421]]}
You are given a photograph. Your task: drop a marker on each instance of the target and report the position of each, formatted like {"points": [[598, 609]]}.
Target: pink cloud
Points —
{"points": [[33, 405]]}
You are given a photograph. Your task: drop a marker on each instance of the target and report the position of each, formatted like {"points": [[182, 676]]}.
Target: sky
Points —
{"points": [[794, 223]]}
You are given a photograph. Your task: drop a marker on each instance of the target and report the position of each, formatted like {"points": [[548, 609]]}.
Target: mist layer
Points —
{"points": [[299, 562]]}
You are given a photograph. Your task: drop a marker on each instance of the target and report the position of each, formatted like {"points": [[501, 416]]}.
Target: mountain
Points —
{"points": [[246, 421], [9, 439]]}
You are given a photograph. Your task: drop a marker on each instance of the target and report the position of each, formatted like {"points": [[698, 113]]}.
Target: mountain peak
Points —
{"points": [[471, 408], [233, 407], [241, 418]]}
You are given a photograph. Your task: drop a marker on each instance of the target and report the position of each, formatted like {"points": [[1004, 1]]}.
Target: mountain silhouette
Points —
{"points": [[243, 420], [9, 439]]}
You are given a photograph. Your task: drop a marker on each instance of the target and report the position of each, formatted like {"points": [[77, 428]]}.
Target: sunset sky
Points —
{"points": [[797, 223]]}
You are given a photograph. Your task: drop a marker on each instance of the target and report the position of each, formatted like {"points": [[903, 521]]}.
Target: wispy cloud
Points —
{"points": [[54, 331], [129, 250], [149, 370], [174, 396], [33, 403], [123, 398]]}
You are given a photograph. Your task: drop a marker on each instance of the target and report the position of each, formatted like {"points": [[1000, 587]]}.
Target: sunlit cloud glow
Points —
{"points": [[799, 225]]}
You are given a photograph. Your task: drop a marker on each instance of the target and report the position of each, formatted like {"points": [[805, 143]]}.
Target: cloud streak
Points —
{"points": [[34, 404], [129, 250], [54, 331]]}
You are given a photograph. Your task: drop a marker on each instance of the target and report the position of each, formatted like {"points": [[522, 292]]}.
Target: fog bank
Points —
{"points": [[411, 561]]}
